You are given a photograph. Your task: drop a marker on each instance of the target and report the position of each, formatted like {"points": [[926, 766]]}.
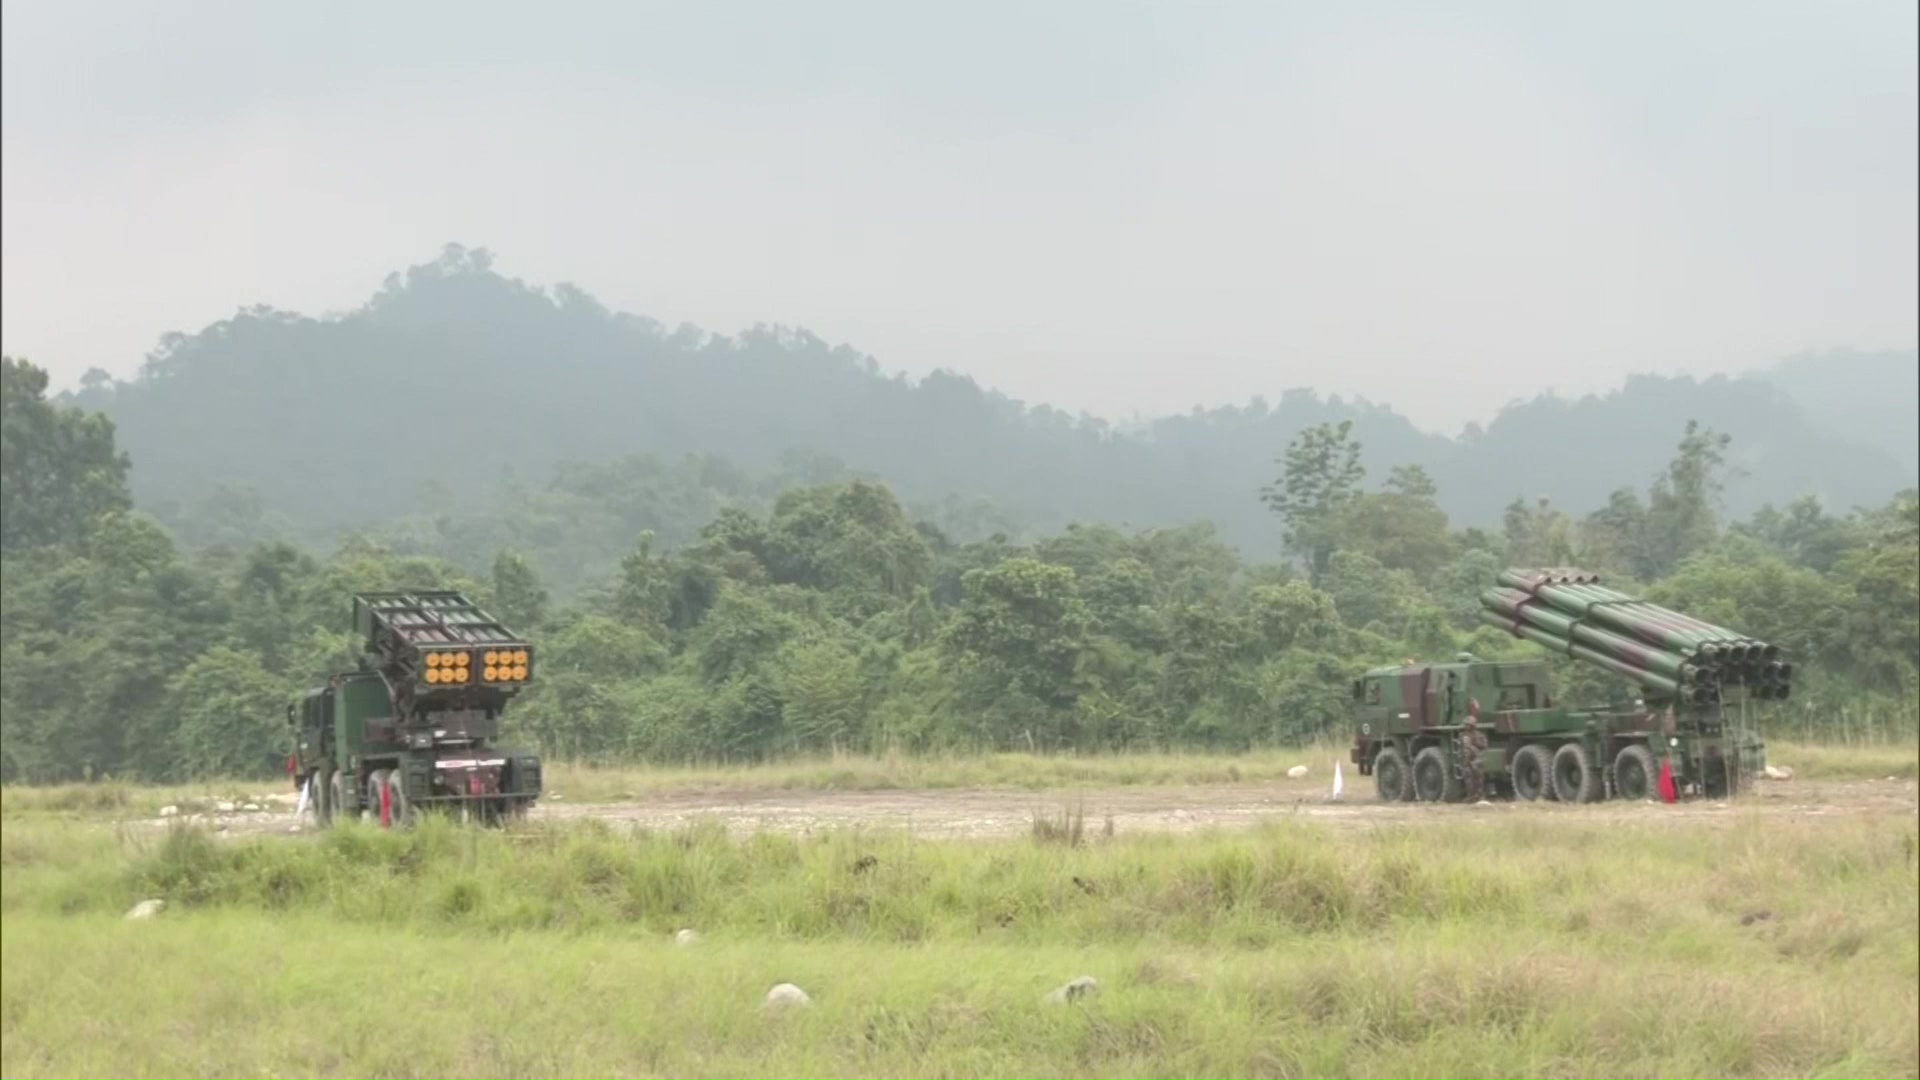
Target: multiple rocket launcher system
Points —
{"points": [[1669, 654]]}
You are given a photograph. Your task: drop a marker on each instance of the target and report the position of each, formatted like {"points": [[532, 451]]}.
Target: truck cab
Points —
{"points": [[1414, 698]]}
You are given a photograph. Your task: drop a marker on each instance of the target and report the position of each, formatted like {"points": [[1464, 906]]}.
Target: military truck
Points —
{"points": [[415, 725], [1693, 677]]}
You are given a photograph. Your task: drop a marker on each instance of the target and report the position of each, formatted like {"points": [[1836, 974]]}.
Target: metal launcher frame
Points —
{"points": [[439, 651]]}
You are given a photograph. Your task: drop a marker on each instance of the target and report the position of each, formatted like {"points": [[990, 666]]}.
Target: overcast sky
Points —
{"points": [[1102, 205]]}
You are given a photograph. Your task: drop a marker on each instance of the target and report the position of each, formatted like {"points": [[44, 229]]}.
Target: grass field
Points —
{"points": [[1452, 947]]}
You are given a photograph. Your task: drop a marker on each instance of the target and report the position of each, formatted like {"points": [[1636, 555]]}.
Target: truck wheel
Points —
{"points": [[1575, 779], [1633, 773], [338, 785], [399, 812], [1390, 776], [1432, 780], [320, 797], [1533, 774], [376, 783]]}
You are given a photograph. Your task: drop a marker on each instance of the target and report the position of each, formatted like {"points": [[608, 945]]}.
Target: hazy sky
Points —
{"points": [[1102, 205]]}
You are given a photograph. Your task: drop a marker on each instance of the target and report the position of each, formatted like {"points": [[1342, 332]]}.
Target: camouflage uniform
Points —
{"points": [[1473, 744]]}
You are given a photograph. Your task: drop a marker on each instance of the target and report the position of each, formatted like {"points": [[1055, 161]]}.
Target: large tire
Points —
{"points": [[376, 781], [1532, 773], [1391, 776], [401, 813], [1575, 780], [340, 784], [1433, 781], [1634, 774], [320, 797], [1718, 780]]}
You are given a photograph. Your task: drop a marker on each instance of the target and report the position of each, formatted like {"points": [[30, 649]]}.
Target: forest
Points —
{"points": [[459, 412], [812, 611]]}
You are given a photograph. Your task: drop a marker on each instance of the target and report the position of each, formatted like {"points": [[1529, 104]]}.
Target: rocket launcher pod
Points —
{"points": [[1621, 668], [1572, 607], [1520, 606]]}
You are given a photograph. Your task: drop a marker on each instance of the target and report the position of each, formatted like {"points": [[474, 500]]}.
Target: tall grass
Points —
{"points": [[1252, 888], [1487, 945]]}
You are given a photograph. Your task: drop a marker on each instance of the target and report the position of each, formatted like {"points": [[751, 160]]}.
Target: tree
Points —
{"points": [[59, 470], [643, 594], [850, 541], [1368, 594], [230, 717], [1881, 578], [1804, 534], [1293, 615], [517, 592], [1537, 535], [1615, 537], [1402, 526], [820, 690], [1682, 506], [1023, 627], [1321, 473]]}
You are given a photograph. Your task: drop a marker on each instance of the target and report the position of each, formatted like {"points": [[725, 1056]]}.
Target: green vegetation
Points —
{"points": [[580, 427], [836, 623], [1547, 947]]}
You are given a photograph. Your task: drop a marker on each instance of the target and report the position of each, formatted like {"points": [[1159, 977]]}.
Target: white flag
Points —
{"points": [[1338, 786], [305, 789]]}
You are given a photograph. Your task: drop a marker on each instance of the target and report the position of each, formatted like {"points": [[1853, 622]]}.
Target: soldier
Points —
{"points": [[1473, 745]]}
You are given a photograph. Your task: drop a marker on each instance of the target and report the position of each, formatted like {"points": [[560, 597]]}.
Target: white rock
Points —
{"points": [[1084, 986], [146, 909], [1484, 802], [251, 808], [1779, 772], [785, 995], [223, 806], [1296, 772], [169, 811], [685, 937]]}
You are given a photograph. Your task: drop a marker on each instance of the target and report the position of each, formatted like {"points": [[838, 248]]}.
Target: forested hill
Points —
{"points": [[455, 394], [1869, 396]]}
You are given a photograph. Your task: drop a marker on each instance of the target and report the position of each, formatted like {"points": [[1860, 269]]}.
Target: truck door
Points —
{"points": [[1416, 697]]}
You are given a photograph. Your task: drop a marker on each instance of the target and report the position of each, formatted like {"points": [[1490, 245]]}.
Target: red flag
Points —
{"points": [[1668, 793]]}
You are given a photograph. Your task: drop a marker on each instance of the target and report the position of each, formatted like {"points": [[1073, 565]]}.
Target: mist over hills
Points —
{"points": [[456, 402], [1865, 396]]}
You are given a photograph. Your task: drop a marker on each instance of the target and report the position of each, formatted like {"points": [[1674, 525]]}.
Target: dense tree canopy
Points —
{"points": [[58, 467], [825, 614]]}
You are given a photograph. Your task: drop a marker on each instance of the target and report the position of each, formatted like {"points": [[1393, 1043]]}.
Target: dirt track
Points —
{"points": [[958, 813], [990, 813]]}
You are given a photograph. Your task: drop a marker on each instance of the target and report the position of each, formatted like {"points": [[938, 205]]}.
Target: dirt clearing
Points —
{"points": [[967, 813]]}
